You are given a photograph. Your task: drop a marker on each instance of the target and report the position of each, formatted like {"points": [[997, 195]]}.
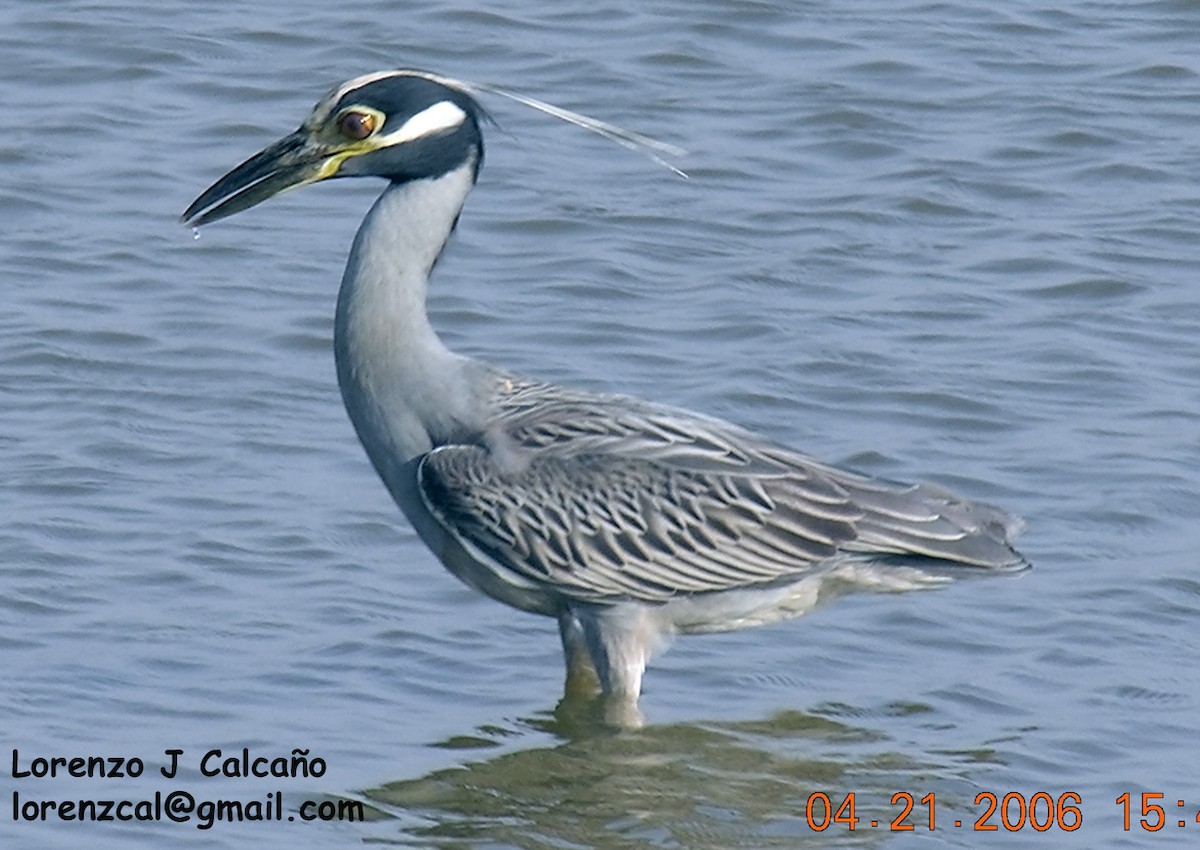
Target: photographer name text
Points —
{"points": [[241, 764]]}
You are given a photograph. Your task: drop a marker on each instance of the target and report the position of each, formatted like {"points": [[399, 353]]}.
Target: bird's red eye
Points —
{"points": [[356, 125]]}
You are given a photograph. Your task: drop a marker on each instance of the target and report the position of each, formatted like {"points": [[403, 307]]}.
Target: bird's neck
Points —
{"points": [[404, 390]]}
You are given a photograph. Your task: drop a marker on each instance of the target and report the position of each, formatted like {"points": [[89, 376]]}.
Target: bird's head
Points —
{"points": [[399, 125]]}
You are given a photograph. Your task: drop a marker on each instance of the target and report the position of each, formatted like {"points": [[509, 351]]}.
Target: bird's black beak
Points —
{"points": [[294, 160]]}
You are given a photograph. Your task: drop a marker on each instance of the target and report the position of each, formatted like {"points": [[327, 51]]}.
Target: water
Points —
{"points": [[938, 241]]}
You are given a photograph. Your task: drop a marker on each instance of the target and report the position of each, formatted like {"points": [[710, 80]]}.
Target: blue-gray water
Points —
{"points": [[950, 241]]}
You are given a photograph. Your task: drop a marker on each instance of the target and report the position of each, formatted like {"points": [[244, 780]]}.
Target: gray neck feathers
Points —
{"points": [[404, 390]]}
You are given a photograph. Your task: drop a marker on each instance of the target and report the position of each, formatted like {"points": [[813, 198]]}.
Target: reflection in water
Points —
{"points": [[721, 785]]}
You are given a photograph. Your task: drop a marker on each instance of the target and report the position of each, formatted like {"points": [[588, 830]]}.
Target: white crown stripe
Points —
{"points": [[626, 138]]}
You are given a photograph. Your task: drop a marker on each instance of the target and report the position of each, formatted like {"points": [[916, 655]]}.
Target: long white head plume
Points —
{"points": [[652, 148]]}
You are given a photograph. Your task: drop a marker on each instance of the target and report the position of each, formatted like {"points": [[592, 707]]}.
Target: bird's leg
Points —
{"points": [[582, 680], [610, 697], [619, 640]]}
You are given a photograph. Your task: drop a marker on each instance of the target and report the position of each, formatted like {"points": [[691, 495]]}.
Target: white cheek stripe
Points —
{"points": [[443, 115]]}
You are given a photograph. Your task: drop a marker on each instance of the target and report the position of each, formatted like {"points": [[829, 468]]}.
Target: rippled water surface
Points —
{"points": [[947, 241]]}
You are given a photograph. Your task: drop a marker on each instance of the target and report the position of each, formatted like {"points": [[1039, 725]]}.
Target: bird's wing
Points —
{"points": [[604, 497]]}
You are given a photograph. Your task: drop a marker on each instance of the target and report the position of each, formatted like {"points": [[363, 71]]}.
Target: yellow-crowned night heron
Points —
{"points": [[624, 519]]}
